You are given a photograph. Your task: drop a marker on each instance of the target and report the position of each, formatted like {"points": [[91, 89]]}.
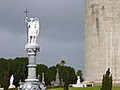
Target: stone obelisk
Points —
{"points": [[57, 80]]}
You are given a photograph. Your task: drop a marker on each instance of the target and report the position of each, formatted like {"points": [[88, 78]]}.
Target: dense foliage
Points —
{"points": [[107, 81], [18, 68], [63, 71]]}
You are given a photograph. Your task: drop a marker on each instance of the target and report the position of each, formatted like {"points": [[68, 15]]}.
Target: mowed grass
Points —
{"points": [[87, 88]]}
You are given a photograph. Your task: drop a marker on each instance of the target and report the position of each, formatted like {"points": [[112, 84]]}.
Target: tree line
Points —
{"points": [[18, 68]]}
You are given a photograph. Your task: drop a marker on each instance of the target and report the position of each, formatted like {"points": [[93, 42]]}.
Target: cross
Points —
{"points": [[26, 12]]}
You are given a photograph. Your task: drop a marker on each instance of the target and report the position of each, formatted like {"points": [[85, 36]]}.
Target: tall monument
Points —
{"points": [[57, 80], [32, 83], [102, 40]]}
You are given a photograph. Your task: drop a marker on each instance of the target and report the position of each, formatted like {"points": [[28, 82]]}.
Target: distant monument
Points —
{"points": [[43, 80], [32, 83], [78, 84], [11, 82], [57, 80]]}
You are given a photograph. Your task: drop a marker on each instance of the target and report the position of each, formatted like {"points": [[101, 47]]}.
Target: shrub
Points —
{"points": [[107, 81]]}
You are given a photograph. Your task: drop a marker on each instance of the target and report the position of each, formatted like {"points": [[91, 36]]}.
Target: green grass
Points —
{"points": [[87, 88]]}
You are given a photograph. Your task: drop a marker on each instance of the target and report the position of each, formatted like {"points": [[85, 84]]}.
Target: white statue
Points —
{"points": [[78, 79], [33, 30], [11, 82]]}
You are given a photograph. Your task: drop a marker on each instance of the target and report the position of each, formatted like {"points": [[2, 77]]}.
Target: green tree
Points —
{"points": [[79, 73], [67, 82], [62, 63], [6, 80], [63, 72], [107, 81], [17, 67], [50, 74], [41, 69]]}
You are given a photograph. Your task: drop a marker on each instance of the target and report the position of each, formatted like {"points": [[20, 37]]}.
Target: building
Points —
{"points": [[102, 40]]}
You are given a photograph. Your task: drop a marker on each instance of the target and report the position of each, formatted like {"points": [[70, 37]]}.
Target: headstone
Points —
{"points": [[52, 83], [62, 82]]}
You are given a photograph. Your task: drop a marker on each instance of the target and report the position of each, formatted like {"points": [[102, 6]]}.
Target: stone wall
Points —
{"points": [[102, 39]]}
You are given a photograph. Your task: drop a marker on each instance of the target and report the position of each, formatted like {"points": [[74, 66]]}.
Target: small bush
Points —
{"points": [[107, 81]]}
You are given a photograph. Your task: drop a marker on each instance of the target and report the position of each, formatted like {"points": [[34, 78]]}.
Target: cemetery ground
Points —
{"points": [[87, 88]]}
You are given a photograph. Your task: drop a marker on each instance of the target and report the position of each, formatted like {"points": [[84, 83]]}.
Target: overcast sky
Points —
{"points": [[61, 35]]}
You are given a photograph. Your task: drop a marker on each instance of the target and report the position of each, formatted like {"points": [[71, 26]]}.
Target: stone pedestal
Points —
{"points": [[31, 83], [32, 50], [12, 86]]}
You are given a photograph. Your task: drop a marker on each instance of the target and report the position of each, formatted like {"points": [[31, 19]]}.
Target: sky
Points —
{"points": [[61, 32]]}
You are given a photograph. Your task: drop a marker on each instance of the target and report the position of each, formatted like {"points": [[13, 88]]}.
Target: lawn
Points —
{"points": [[87, 88]]}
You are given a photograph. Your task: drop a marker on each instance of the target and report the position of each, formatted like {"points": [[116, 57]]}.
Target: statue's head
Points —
{"points": [[78, 77], [31, 19]]}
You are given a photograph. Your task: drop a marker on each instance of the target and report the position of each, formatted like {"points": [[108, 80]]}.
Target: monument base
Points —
{"points": [[78, 85], [12, 86], [31, 84], [29, 46], [31, 80]]}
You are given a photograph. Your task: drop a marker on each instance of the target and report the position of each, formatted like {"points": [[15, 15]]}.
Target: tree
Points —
{"points": [[79, 73], [63, 72], [6, 80], [67, 82], [62, 63], [107, 81], [17, 67], [41, 69], [50, 74]]}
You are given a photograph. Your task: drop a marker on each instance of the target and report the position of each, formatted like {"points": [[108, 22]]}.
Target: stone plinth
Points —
{"points": [[12, 86], [31, 83]]}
